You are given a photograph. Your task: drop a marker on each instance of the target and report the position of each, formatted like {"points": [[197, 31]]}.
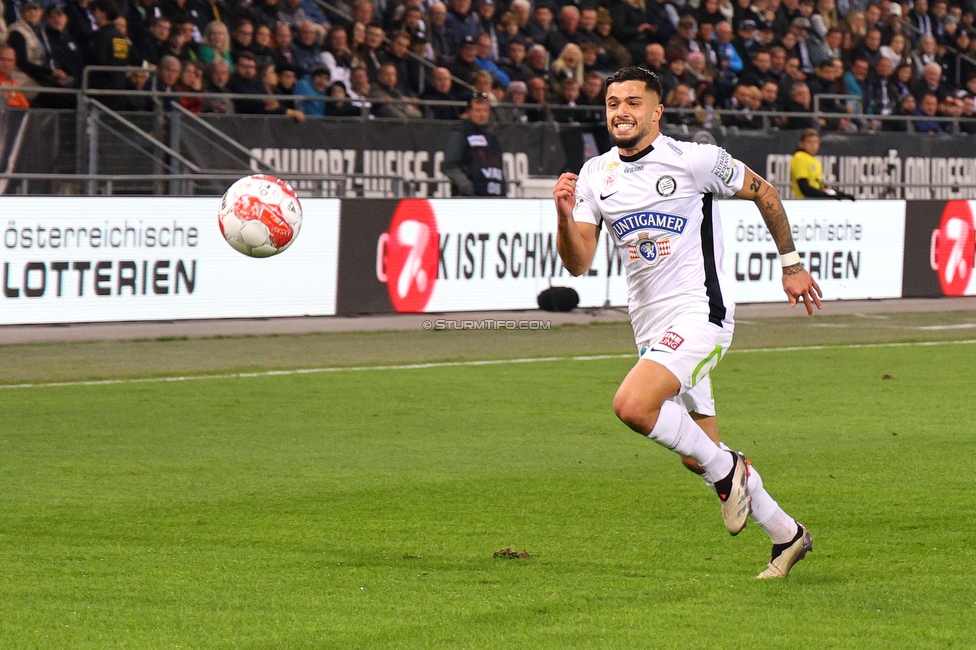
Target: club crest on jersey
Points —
{"points": [[611, 174], [666, 186], [650, 251], [635, 221]]}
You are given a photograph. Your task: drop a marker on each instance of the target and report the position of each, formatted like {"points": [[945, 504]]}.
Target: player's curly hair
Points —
{"points": [[637, 73]]}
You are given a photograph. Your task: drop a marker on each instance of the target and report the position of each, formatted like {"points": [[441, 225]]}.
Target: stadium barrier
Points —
{"points": [[97, 259]]}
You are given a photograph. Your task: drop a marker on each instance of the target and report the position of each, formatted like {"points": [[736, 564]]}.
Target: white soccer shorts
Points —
{"points": [[690, 349]]}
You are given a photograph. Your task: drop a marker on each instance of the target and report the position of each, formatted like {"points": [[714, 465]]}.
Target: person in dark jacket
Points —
{"points": [[108, 47], [473, 157]]}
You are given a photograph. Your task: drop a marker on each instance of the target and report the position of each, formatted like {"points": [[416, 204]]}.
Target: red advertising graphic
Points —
{"points": [[953, 248], [406, 255]]}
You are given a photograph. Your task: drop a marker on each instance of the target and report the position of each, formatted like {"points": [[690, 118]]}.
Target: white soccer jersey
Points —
{"points": [[659, 208]]}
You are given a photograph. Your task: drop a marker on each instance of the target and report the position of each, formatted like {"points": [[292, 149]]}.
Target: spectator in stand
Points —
{"points": [[857, 83], [617, 55], [216, 74], [685, 41], [263, 46], [395, 54], [564, 109], [928, 107], [680, 104], [957, 65], [483, 59], [154, 43], [108, 47], [194, 12], [903, 80], [832, 43], [180, 42], [242, 38], [906, 108], [801, 101], [770, 103], [566, 32], [461, 22], [538, 94], [938, 15], [337, 56], [441, 89], [895, 50], [631, 27], [825, 18], [342, 107], [287, 80], [216, 44], [306, 50], [282, 52], [539, 28], [522, 9], [515, 94], [364, 11], [190, 83], [81, 20], [514, 64], [266, 12], [925, 54], [760, 70], [744, 100], [591, 59], [746, 42], [359, 89], [951, 107], [138, 81], [869, 48], [412, 22], [484, 84], [440, 37], [66, 53], [931, 82], [418, 68], [968, 122], [464, 66], [569, 65], [387, 100], [663, 18], [245, 81], [165, 82], [370, 53], [730, 64], [507, 33], [34, 57], [587, 25], [315, 84], [708, 13], [485, 13], [885, 94], [8, 64], [291, 12], [473, 155], [698, 69], [655, 62]]}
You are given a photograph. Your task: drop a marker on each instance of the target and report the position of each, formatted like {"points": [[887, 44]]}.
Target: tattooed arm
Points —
{"points": [[797, 282]]}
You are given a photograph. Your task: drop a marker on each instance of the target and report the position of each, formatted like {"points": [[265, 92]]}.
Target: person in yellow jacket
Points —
{"points": [[806, 172]]}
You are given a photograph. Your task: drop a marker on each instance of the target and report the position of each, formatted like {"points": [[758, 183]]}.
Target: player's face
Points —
{"points": [[633, 115]]}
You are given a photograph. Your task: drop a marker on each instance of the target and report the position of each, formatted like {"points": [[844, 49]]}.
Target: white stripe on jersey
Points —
{"points": [[659, 209]]}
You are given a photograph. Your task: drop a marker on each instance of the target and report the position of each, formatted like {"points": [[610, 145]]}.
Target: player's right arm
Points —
{"points": [[575, 241]]}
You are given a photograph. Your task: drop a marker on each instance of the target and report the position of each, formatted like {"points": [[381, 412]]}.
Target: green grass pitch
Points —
{"points": [[362, 509]]}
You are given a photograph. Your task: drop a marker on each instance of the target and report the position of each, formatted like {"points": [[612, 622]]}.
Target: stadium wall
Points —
{"points": [[68, 260]]}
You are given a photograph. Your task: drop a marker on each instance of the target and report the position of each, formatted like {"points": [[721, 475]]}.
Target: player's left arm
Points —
{"points": [[797, 282]]}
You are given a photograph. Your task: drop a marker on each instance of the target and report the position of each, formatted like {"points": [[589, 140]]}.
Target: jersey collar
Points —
{"points": [[640, 154]]}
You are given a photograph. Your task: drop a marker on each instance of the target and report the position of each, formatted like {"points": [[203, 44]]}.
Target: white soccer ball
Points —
{"points": [[260, 215]]}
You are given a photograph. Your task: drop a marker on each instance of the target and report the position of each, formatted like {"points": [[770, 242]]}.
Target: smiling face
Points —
{"points": [[633, 115]]}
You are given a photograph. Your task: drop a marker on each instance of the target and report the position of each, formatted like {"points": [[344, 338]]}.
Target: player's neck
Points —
{"points": [[641, 147]]}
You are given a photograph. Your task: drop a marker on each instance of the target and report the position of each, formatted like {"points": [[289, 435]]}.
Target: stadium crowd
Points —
{"points": [[539, 59]]}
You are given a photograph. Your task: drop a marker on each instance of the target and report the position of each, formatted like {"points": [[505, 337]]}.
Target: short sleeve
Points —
{"points": [[586, 210], [718, 172]]}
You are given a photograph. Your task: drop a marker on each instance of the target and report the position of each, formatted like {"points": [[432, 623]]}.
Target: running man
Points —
{"points": [[657, 197]]}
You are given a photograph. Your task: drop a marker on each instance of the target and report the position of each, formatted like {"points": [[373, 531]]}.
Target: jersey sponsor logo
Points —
{"points": [[671, 340], [650, 251], [666, 186], [675, 149], [477, 140], [724, 167], [631, 170], [648, 221], [604, 197]]}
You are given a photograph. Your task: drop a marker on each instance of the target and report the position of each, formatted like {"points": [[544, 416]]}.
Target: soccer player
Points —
{"points": [[657, 197]]}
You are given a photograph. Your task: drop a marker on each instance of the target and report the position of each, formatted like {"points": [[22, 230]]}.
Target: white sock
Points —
{"points": [[780, 527], [678, 432]]}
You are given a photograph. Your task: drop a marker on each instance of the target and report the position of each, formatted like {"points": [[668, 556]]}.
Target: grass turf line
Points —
{"points": [[362, 510]]}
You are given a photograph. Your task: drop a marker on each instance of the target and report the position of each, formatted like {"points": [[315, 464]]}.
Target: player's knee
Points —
{"points": [[634, 411], [692, 465]]}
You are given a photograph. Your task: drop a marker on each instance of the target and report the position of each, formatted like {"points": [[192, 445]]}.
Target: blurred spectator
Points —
{"points": [[617, 55], [337, 56], [801, 101], [655, 62], [885, 94], [928, 107], [461, 22], [680, 98], [291, 12], [515, 94], [833, 42], [138, 81], [592, 61], [895, 50], [587, 25], [538, 29], [902, 80], [266, 12], [305, 51], [760, 70], [484, 61], [287, 80], [216, 75], [315, 84], [569, 65], [8, 64], [745, 99], [730, 64], [931, 82], [441, 89], [395, 54], [950, 107], [810, 51], [165, 82], [537, 63], [152, 45], [925, 53], [698, 69], [485, 13], [387, 100], [108, 47], [906, 108], [507, 33], [746, 43], [195, 12], [216, 44], [566, 32], [180, 42], [282, 52], [484, 84], [440, 37], [342, 107], [359, 89], [662, 16], [66, 53], [263, 46], [81, 20], [242, 38], [968, 122], [473, 155], [464, 65], [631, 27], [685, 41], [245, 81], [538, 94], [869, 48], [825, 18], [857, 83], [190, 82], [34, 57], [565, 103], [371, 51], [514, 64], [418, 66]]}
